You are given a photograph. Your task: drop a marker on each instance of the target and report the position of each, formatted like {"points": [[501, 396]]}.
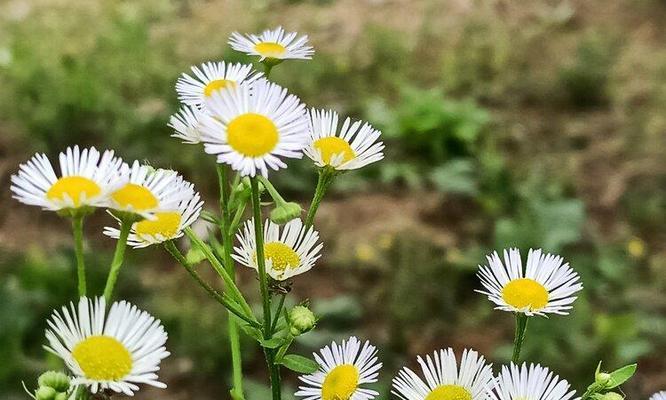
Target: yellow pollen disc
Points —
{"points": [[135, 197], [217, 84], [252, 135], [332, 146], [525, 292], [281, 255], [165, 224], [340, 383], [449, 392], [103, 358], [75, 187], [270, 49]]}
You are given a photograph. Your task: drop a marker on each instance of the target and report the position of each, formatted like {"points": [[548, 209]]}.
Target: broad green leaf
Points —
{"points": [[299, 364], [621, 375]]}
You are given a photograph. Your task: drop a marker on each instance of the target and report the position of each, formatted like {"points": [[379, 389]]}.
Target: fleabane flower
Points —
{"points": [[343, 369], [251, 127], [166, 225], [546, 285], [355, 145], [274, 45], [534, 383], [115, 351], [147, 191], [659, 395], [86, 179], [289, 252], [186, 124], [210, 77], [444, 380]]}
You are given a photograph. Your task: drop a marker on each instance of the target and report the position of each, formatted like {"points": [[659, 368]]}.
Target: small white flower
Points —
{"points": [[115, 351], [533, 383], [343, 369], [659, 395], [250, 127], [186, 124], [353, 147], [444, 380], [210, 77], [546, 285], [273, 44], [288, 253], [86, 179]]}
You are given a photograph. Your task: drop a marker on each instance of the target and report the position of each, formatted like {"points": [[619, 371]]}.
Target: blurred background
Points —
{"points": [[506, 122]]}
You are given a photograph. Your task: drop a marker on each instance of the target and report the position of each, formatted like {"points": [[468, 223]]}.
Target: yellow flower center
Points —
{"points": [[449, 392], [103, 358], [332, 146], [74, 187], [340, 383], [281, 255], [270, 49], [525, 292], [165, 224], [135, 197], [252, 135], [217, 84]]}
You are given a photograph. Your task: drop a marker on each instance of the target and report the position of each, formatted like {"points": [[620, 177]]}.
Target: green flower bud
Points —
{"points": [[610, 396], [45, 393], [285, 213], [61, 396], [301, 320], [54, 379], [602, 378]]}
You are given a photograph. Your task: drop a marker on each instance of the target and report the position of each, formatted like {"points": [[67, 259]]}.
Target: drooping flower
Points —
{"points": [[251, 127], [86, 180], [288, 252], [546, 285], [343, 370], [273, 44], [355, 145], [444, 380], [534, 383], [115, 351]]}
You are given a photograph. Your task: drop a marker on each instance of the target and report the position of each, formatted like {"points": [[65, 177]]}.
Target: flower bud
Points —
{"points": [[301, 320], [61, 396], [54, 379], [45, 393], [285, 213], [602, 378]]}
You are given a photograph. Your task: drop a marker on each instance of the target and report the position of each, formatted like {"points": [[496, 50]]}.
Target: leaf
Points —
{"points": [[272, 343], [299, 364], [621, 375]]}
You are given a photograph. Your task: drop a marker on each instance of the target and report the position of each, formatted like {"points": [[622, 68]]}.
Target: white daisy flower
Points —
{"points": [[167, 225], [251, 126], [86, 179], [115, 351], [659, 395], [444, 380], [273, 44], [288, 253], [353, 147], [210, 77], [533, 383], [545, 286], [186, 124], [342, 370], [147, 191]]}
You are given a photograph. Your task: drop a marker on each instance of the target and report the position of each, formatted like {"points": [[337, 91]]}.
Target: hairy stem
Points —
{"points": [[77, 229], [521, 329], [326, 176], [118, 257]]}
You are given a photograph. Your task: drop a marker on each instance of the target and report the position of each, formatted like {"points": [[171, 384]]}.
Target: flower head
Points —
{"points": [[252, 127], [546, 285], [113, 351], [288, 253], [210, 77], [186, 124], [273, 45], [86, 180], [343, 369], [534, 383], [355, 145], [444, 380]]}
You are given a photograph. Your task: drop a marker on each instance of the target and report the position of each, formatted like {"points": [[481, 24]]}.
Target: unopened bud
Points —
{"points": [[61, 396], [285, 213], [54, 379], [301, 320], [45, 393], [602, 378]]}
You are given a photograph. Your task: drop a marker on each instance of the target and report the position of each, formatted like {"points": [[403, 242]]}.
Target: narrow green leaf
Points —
{"points": [[621, 375], [272, 343], [299, 364]]}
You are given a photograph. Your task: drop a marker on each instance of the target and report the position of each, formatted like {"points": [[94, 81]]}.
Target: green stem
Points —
{"points": [[263, 286], [118, 257], [326, 176], [225, 229], [277, 198], [521, 329], [77, 228], [278, 312]]}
